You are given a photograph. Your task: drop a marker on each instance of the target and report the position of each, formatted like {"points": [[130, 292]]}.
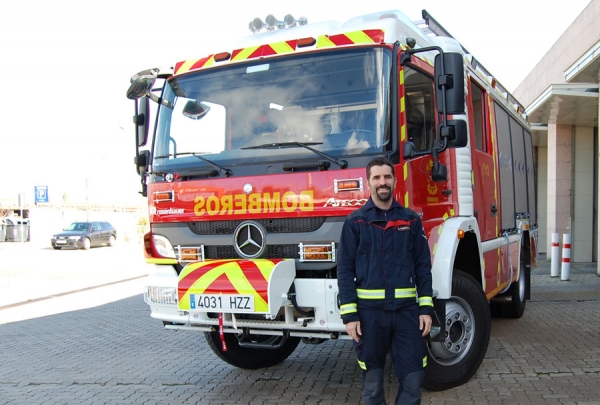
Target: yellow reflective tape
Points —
{"points": [[405, 171], [403, 132], [282, 47], [154, 260], [359, 37], [236, 277], [186, 66], [440, 230], [324, 42], [406, 199], [425, 301], [445, 216], [401, 77], [209, 62], [380, 294], [348, 309], [434, 247], [424, 361], [405, 293], [370, 294], [452, 211], [245, 53], [362, 364]]}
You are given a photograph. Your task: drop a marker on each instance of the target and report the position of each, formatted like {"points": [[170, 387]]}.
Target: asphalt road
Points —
{"points": [[64, 340]]}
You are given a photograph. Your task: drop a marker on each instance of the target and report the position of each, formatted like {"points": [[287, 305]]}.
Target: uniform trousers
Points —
{"points": [[396, 332]]}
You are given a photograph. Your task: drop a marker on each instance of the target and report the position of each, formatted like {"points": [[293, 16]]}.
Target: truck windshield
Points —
{"points": [[335, 101]]}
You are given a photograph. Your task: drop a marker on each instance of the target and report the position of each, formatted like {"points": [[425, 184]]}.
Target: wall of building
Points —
{"points": [[576, 41]]}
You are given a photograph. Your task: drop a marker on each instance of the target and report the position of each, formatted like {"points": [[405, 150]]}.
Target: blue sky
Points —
{"points": [[66, 66]]}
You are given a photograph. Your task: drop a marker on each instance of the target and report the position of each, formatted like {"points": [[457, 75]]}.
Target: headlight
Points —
{"points": [[163, 246], [160, 295]]}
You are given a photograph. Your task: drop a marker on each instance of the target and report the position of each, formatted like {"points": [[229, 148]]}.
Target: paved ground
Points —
{"points": [[99, 346]]}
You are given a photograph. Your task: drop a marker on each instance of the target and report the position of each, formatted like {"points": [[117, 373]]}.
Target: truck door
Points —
{"points": [[484, 176]]}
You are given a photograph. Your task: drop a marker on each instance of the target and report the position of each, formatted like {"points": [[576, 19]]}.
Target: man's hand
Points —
{"points": [[353, 329], [424, 324]]}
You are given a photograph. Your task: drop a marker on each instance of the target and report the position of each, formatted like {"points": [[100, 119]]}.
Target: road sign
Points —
{"points": [[41, 194]]}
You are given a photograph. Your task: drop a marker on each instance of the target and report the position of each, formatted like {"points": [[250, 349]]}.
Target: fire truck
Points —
{"points": [[252, 158]]}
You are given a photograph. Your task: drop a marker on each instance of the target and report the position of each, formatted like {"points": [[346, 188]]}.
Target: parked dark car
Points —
{"points": [[83, 235]]}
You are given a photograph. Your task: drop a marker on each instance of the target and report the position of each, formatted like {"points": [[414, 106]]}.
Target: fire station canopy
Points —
{"points": [[572, 103]]}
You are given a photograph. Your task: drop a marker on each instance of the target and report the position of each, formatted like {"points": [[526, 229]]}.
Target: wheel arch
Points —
{"points": [[450, 252]]}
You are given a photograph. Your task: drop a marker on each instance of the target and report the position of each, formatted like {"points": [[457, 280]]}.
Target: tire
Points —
{"points": [[112, 240], [87, 243], [468, 326], [515, 306], [250, 358]]}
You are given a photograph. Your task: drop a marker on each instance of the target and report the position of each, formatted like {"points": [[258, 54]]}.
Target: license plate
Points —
{"points": [[61, 242], [222, 302]]}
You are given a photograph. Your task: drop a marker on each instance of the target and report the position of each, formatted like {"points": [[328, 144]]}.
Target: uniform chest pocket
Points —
{"points": [[403, 242]]}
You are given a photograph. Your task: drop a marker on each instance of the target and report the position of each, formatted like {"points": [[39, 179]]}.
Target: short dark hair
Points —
{"points": [[379, 161]]}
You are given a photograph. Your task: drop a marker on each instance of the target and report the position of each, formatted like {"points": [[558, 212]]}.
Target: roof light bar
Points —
{"points": [[271, 23]]}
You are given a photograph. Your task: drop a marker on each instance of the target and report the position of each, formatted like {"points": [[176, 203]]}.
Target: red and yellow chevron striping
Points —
{"points": [[280, 48], [243, 277]]}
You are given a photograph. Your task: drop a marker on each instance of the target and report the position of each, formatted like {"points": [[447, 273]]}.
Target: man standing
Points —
{"points": [[384, 277]]}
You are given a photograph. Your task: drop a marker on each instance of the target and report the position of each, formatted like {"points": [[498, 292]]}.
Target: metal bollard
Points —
{"points": [[566, 257], [554, 255]]}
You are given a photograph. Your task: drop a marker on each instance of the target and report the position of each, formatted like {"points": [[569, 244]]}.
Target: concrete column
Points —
{"points": [[582, 235], [560, 175], [545, 237]]}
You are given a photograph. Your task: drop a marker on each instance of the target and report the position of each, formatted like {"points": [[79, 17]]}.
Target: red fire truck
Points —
{"points": [[252, 158]]}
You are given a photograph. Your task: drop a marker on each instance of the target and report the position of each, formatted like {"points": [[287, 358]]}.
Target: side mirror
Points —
{"points": [[141, 119], [449, 83], [455, 132], [195, 110], [408, 150], [142, 160], [141, 84]]}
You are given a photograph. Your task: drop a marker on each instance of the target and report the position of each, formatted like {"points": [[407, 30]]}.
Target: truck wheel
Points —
{"points": [[468, 325], [247, 357], [515, 307]]}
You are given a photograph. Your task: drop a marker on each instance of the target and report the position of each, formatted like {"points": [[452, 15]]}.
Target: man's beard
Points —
{"points": [[384, 198]]}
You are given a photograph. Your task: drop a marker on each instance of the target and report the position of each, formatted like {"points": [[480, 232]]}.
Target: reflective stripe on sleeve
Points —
{"points": [[425, 301], [362, 364], [348, 309]]}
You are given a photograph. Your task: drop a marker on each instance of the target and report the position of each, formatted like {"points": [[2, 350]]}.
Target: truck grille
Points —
{"points": [[271, 252], [280, 225]]}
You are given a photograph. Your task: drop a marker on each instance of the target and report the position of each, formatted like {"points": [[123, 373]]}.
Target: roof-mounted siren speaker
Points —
{"points": [[256, 25], [289, 21], [273, 23]]}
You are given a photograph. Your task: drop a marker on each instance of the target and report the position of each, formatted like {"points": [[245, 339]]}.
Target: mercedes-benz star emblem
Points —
{"points": [[249, 239]]}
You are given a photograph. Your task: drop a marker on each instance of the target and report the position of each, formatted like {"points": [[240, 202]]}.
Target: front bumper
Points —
{"points": [[72, 243], [318, 296]]}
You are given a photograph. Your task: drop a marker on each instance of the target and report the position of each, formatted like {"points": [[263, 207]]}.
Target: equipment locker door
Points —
{"points": [[484, 177]]}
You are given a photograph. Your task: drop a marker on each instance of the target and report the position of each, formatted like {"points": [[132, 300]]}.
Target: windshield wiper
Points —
{"points": [[221, 169], [341, 163]]}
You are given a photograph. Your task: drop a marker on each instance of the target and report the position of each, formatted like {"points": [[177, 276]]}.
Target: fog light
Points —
{"points": [[317, 252]]}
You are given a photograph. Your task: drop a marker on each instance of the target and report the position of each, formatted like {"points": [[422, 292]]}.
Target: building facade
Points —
{"points": [[561, 99]]}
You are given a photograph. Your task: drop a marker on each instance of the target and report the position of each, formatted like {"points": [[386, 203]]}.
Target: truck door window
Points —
{"points": [[419, 109]]}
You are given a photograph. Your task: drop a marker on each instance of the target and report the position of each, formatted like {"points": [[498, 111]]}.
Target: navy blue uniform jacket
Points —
{"points": [[384, 255]]}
